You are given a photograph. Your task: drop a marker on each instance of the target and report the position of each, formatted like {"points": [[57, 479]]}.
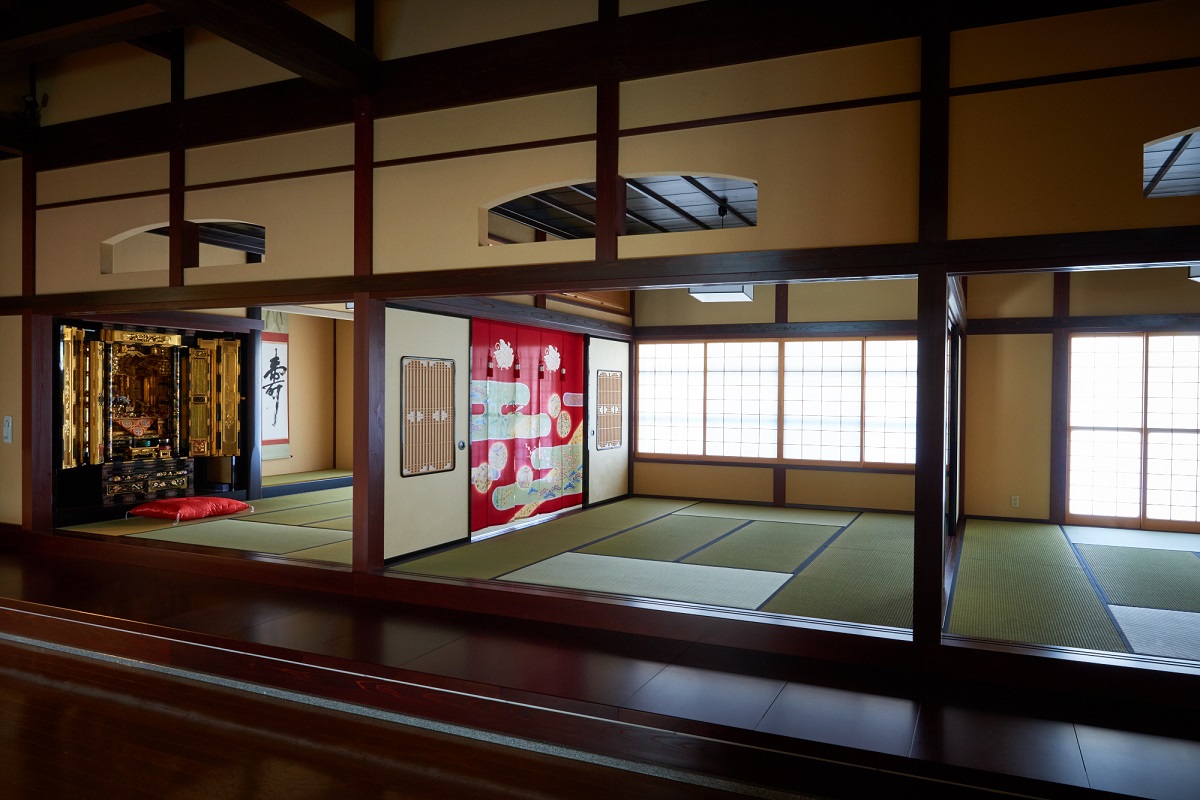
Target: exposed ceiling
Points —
{"points": [[1171, 168], [659, 204]]}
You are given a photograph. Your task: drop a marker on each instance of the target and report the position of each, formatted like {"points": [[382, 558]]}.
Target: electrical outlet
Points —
{"points": [[8, 430], [1016, 501]]}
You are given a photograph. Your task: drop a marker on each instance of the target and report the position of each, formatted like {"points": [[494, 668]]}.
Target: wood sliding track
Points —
{"points": [[772, 720]]}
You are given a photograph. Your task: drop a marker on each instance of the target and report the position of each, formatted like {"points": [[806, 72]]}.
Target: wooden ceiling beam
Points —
{"points": [[287, 37], [54, 37]]}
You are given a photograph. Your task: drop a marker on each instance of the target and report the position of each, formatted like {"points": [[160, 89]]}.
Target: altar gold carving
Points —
{"points": [[152, 398]]}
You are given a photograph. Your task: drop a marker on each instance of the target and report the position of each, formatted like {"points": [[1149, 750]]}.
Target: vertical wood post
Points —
{"points": [[369, 364]]}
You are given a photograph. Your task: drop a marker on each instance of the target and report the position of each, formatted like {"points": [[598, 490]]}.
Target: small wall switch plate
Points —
{"points": [[8, 430], [1016, 501]]}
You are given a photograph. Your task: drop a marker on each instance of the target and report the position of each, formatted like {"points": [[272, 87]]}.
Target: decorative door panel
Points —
{"points": [[527, 422]]}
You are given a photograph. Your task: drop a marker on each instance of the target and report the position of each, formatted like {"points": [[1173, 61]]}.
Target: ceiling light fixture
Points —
{"points": [[723, 293]]}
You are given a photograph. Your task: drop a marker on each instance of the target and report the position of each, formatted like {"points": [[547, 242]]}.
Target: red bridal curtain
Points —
{"points": [[527, 422]]}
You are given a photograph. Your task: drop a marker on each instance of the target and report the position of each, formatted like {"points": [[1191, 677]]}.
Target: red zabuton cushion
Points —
{"points": [[182, 508]]}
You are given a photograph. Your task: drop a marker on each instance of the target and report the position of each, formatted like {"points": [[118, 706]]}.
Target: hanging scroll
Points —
{"points": [[273, 387]]}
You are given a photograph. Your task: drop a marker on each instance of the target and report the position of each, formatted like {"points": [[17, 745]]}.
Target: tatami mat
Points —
{"points": [[1155, 632], [1026, 542], [1122, 537], [666, 539], [340, 524], [852, 586], [803, 516], [1031, 602], [338, 553], [259, 537], [878, 533], [122, 527], [306, 514], [690, 583], [765, 546], [264, 504], [1168, 579]]}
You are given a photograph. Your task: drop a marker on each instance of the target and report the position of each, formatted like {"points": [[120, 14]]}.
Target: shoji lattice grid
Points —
{"points": [[890, 401], [741, 415], [1172, 427], [822, 400], [670, 407]]}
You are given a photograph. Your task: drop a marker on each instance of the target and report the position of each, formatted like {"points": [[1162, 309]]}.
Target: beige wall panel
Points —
{"points": [[11, 405], [1134, 291], [1076, 42], [425, 510], [310, 387], [845, 301], [608, 470], [1017, 295], [824, 180], [863, 490], [704, 481], [10, 227], [1007, 434], [143, 252], [104, 80], [107, 178], [272, 155], [343, 430], [675, 307], [70, 249], [639, 6], [585, 311], [309, 224], [850, 73], [217, 65], [408, 239], [1056, 159], [336, 14], [409, 27], [524, 119]]}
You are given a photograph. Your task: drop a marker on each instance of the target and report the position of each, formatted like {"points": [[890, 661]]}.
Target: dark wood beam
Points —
{"points": [[37, 380], [16, 136], [633, 215], [550, 202], [646, 191], [287, 37], [364, 186], [532, 222], [934, 186], [1167, 164], [535, 315], [720, 201], [610, 193], [55, 33], [1090, 250]]}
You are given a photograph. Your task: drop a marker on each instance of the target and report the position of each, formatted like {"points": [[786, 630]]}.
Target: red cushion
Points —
{"points": [[181, 508]]}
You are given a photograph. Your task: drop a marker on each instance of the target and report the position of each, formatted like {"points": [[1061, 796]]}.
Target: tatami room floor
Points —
{"points": [[1116, 591]]}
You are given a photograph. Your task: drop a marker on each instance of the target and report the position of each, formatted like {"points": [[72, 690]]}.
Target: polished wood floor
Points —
{"points": [[741, 715]]}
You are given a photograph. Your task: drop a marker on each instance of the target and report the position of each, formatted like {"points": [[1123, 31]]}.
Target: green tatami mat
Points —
{"points": [[879, 533], [1133, 576], [664, 539], [1035, 542], [301, 499], [624, 513], [765, 546], [1030, 602], [874, 588], [305, 477], [123, 527], [337, 553], [803, 516], [501, 554], [260, 537], [339, 524], [304, 515], [664, 580]]}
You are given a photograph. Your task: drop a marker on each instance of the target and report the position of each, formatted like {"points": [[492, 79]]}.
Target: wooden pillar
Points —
{"points": [[252, 366], [28, 226], [369, 398], [364, 187], [1060, 399], [184, 245], [929, 507], [610, 189], [37, 375]]}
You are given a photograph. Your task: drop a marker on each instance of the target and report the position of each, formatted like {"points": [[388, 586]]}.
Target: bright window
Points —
{"points": [[848, 401], [1134, 440]]}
